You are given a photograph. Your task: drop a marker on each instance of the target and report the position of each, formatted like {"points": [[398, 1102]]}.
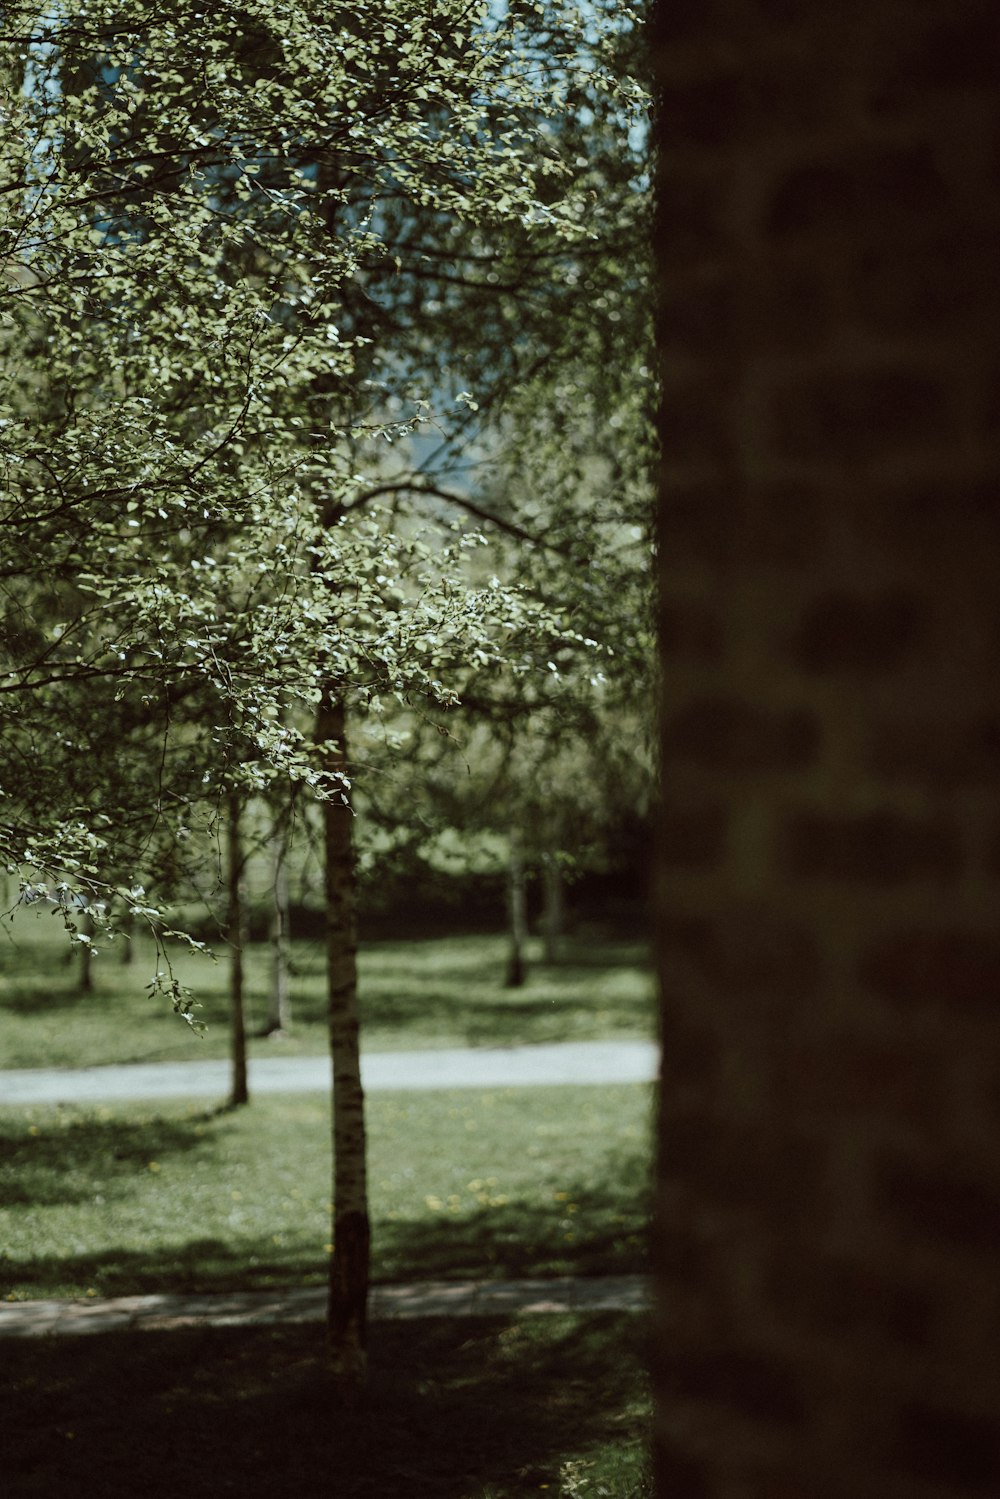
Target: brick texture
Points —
{"points": [[694, 835], [871, 189], [844, 1073], [746, 1381], [860, 414], [937, 753], [958, 51], [880, 848], [944, 1204], [844, 632], [828, 310], [913, 969], [727, 733], [751, 952], [949, 1447], [777, 522], [690, 630], [845, 1299]]}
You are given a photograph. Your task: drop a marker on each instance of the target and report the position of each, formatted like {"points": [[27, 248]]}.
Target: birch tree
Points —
{"points": [[198, 206]]}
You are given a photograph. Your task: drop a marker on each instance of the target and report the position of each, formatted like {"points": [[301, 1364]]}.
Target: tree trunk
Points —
{"points": [[517, 915], [279, 1014], [349, 1266], [555, 912], [236, 936], [86, 984], [126, 926]]}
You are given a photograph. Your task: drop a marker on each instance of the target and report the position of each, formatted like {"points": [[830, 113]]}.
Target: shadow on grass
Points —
{"points": [[455, 1410], [604, 1235], [553, 1005], [546, 1020], [42, 994], [519, 1019], [202, 1266], [439, 989], [82, 1157], [519, 1239]]}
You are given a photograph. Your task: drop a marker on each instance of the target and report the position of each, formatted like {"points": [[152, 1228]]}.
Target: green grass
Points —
{"points": [[442, 991], [550, 1406], [496, 1184]]}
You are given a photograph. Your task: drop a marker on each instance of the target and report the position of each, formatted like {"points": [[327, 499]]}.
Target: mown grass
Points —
{"points": [[549, 1406], [442, 991], [494, 1184]]}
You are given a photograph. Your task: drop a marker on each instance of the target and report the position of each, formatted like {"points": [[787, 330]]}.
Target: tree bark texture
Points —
{"points": [[517, 913], [236, 936], [349, 1265]]}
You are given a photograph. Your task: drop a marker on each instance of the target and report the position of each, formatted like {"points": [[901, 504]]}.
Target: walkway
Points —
{"points": [[474, 1067], [37, 1319]]}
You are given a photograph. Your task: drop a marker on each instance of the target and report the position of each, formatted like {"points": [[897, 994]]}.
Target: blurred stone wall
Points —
{"points": [[828, 892]]}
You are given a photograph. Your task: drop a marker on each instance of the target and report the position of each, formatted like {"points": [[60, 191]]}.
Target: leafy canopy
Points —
{"points": [[205, 213]]}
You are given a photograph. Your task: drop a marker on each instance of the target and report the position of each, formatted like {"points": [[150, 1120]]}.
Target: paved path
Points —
{"points": [[475, 1067], [36, 1319]]}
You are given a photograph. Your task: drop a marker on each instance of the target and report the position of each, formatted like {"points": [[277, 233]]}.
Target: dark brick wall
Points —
{"points": [[828, 888]]}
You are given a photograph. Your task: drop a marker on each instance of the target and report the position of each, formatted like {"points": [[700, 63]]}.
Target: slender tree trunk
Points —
{"points": [[87, 957], [279, 1015], [517, 915], [236, 936], [126, 926], [347, 1310], [555, 913], [349, 1266]]}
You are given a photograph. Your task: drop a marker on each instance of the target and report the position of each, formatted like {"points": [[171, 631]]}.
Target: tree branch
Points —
{"points": [[431, 491]]}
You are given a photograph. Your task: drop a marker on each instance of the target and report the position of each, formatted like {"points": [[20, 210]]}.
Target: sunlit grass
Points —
{"points": [[443, 991], [503, 1183], [494, 1184]]}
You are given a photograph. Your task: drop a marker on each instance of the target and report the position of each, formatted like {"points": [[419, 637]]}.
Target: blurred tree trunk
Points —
{"points": [[236, 937], [349, 1265], [126, 926], [279, 1015], [554, 915], [86, 975], [517, 913]]}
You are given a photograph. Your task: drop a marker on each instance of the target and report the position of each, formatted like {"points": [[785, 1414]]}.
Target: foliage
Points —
{"points": [[204, 214], [554, 740]]}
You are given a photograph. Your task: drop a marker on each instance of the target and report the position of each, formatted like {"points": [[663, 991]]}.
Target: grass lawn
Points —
{"points": [[494, 1184], [550, 1406], [497, 1184], [438, 992]]}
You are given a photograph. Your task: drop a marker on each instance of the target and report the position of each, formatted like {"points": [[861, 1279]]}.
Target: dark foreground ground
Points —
{"points": [[456, 1409]]}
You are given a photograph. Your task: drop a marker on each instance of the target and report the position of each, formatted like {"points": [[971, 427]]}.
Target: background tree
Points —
{"points": [[199, 210]]}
